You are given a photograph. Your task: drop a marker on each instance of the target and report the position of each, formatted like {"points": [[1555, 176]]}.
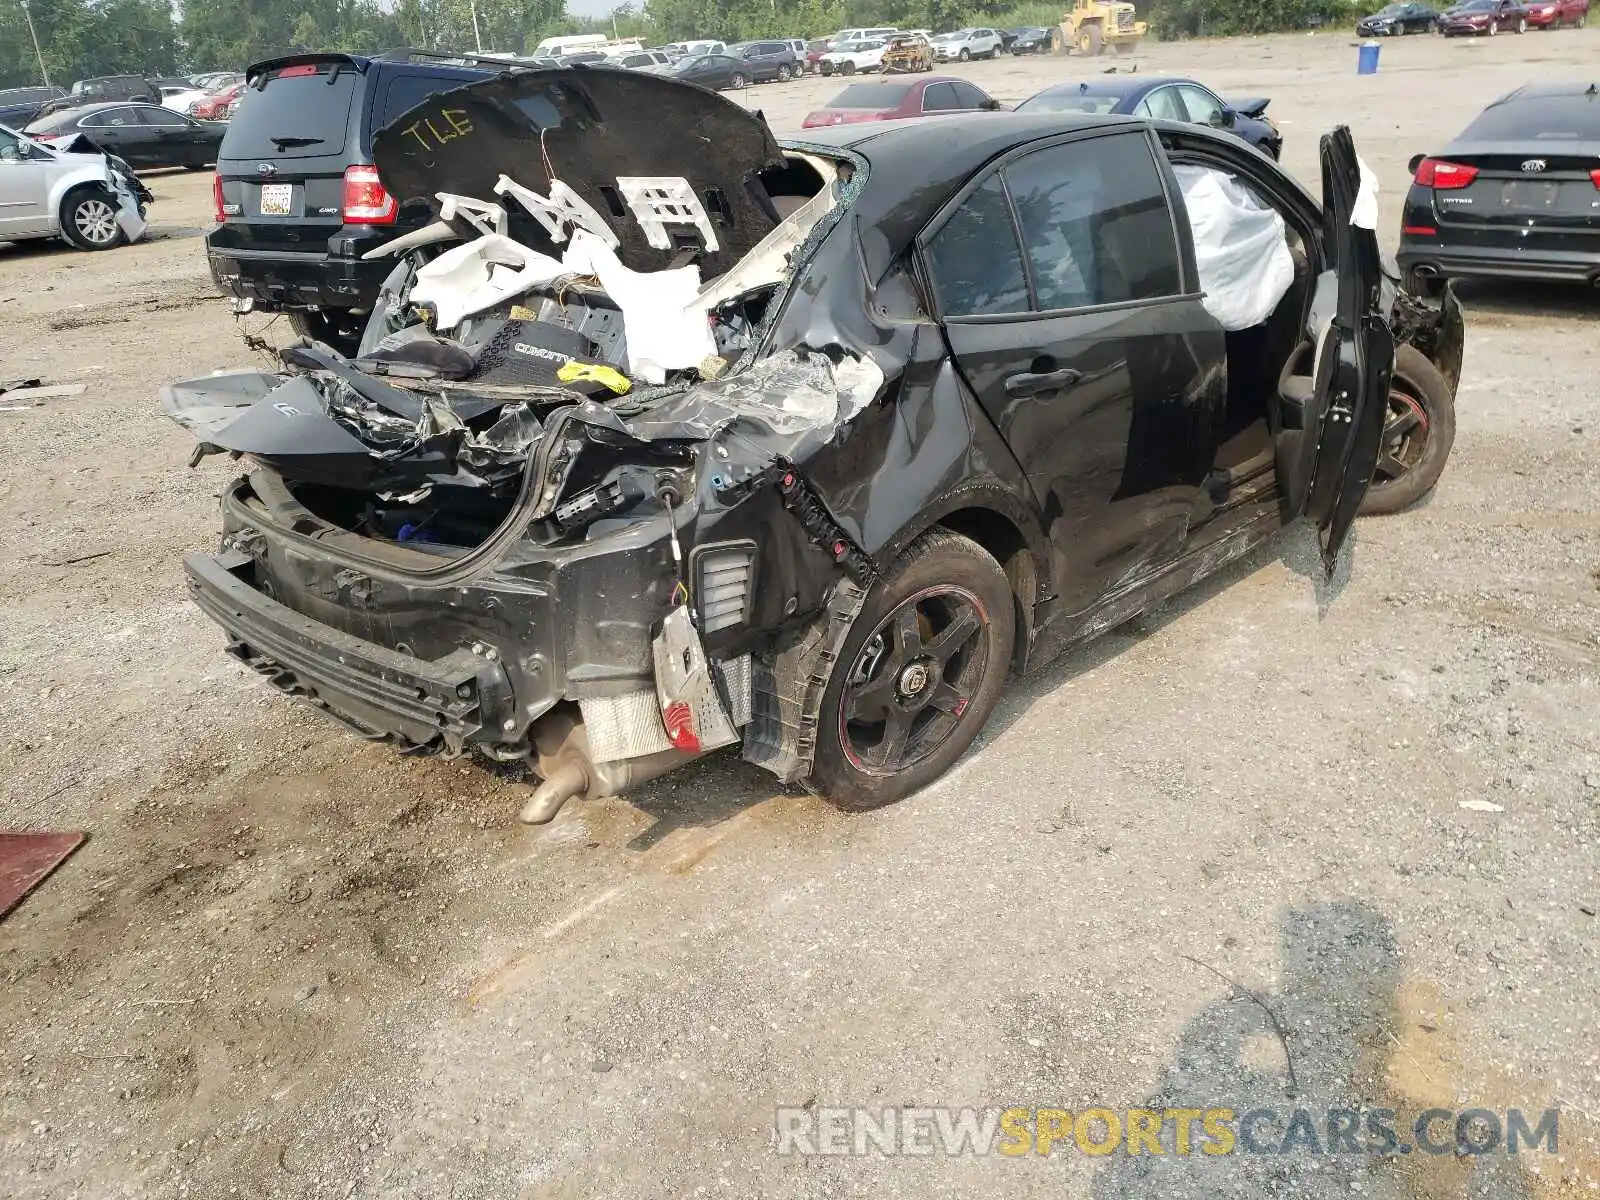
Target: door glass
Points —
{"points": [[160, 117], [976, 263], [967, 96], [939, 97], [1096, 223], [9, 148], [1202, 106], [1163, 105]]}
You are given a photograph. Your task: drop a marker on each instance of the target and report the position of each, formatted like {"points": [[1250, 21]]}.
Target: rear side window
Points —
{"points": [[976, 263], [1095, 222], [871, 95], [306, 109], [402, 93], [939, 97]]}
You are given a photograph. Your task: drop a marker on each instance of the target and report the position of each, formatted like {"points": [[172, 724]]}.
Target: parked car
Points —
{"points": [[1512, 196], [638, 60], [104, 88], [1398, 19], [986, 412], [887, 100], [1033, 40], [87, 198], [1486, 17], [851, 58], [966, 44], [768, 61], [907, 52], [213, 81], [815, 49], [298, 201], [19, 106], [144, 135], [876, 33], [715, 71], [691, 49], [1165, 99], [219, 105], [1554, 14], [179, 97]]}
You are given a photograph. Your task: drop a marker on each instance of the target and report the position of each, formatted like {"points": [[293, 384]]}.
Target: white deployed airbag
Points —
{"points": [[479, 274], [1239, 246]]}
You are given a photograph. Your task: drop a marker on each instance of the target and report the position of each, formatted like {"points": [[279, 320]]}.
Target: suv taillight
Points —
{"points": [[216, 199], [365, 201], [1444, 176]]}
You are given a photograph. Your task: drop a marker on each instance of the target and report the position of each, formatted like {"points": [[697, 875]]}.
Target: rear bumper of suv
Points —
{"points": [[276, 279]]}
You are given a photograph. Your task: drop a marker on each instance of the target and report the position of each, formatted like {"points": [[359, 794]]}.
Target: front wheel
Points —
{"points": [[1522, 24], [89, 220], [738, 82], [919, 675], [1418, 431], [1090, 41], [965, 55], [1494, 28]]}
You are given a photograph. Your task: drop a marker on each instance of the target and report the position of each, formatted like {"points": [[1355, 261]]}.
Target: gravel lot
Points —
{"points": [[288, 963]]}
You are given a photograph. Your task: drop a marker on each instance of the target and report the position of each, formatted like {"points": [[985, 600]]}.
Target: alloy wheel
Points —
{"points": [[96, 221], [1405, 437], [913, 680]]}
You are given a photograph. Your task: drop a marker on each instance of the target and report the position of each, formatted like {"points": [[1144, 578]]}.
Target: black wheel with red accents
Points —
{"points": [[919, 674], [1418, 431]]}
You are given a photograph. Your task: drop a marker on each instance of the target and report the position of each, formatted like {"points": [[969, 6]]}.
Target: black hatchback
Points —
{"points": [[298, 201], [1516, 195]]}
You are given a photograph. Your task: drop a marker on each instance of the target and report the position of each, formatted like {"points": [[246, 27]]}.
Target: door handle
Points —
{"points": [[1031, 383]]}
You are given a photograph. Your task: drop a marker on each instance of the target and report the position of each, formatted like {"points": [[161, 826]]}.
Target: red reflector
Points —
{"points": [[216, 199], [1419, 230], [1444, 176], [1594, 176], [365, 201], [291, 72]]}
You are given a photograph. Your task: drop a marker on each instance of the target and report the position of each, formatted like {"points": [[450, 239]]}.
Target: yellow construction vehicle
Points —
{"points": [[1089, 26]]}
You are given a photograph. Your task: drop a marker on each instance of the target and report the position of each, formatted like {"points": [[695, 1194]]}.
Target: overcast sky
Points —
{"points": [[591, 8]]}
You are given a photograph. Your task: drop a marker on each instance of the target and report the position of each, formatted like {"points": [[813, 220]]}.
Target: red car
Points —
{"points": [[894, 100], [218, 106], [1553, 14]]}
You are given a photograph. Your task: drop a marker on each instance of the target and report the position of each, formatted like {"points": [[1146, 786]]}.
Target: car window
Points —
{"points": [[938, 97], [1095, 222], [303, 104], [1163, 104], [975, 259], [1200, 104], [968, 96], [165, 118], [9, 147], [109, 118]]}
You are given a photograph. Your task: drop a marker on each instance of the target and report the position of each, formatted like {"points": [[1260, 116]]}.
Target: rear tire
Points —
{"points": [[1418, 432], [1091, 41], [340, 328], [936, 694], [89, 219]]}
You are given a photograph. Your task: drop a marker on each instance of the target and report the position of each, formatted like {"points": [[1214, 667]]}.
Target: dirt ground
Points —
{"points": [[288, 963]]}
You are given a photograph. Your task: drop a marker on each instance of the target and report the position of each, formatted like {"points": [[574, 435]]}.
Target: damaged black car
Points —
{"points": [[669, 436]]}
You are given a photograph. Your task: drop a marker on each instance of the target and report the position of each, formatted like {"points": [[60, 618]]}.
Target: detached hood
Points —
{"points": [[590, 129]]}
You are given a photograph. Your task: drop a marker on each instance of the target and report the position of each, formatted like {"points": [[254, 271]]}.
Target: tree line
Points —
{"points": [[82, 38]]}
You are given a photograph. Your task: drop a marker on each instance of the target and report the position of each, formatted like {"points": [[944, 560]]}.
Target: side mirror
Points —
{"points": [[1223, 118], [990, 105], [1416, 161]]}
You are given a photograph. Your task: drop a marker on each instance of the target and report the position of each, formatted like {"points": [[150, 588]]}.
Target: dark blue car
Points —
{"points": [[1164, 99]]}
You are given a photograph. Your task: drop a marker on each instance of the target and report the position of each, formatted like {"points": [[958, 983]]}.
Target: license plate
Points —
{"points": [[1525, 195], [277, 199]]}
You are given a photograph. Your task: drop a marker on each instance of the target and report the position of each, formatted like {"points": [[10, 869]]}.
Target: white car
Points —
{"points": [[639, 60], [178, 99], [853, 57], [965, 44], [88, 199]]}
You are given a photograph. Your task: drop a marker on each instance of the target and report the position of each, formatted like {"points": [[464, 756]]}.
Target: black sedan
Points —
{"points": [[1164, 99], [716, 71], [1032, 40], [143, 135], [1513, 196], [1394, 20], [987, 412]]}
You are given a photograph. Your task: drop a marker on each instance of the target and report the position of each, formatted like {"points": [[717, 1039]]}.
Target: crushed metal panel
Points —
{"points": [[25, 860]]}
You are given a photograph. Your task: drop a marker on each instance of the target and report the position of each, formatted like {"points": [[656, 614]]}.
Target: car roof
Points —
{"points": [[1111, 86]]}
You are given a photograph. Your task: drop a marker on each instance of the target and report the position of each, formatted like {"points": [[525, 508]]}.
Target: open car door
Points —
{"points": [[1331, 426]]}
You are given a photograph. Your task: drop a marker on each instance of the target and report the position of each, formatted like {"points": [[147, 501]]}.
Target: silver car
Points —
{"points": [[91, 200]]}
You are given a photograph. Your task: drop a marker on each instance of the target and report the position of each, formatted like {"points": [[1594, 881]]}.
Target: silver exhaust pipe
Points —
{"points": [[563, 762]]}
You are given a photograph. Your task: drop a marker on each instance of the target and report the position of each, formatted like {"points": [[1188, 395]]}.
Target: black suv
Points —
{"points": [[298, 201], [104, 88], [20, 106]]}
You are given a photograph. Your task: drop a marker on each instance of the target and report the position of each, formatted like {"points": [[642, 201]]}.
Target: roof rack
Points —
{"points": [[467, 58]]}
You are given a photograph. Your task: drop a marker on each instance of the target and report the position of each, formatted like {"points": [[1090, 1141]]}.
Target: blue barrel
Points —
{"points": [[1367, 62]]}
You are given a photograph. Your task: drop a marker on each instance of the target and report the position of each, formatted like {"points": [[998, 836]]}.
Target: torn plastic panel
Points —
{"points": [[582, 127]]}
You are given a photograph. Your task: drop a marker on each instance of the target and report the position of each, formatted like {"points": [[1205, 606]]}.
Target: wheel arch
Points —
{"points": [[71, 182]]}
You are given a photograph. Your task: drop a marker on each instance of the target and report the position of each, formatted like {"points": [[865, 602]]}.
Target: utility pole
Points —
{"points": [[39, 54], [477, 34]]}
